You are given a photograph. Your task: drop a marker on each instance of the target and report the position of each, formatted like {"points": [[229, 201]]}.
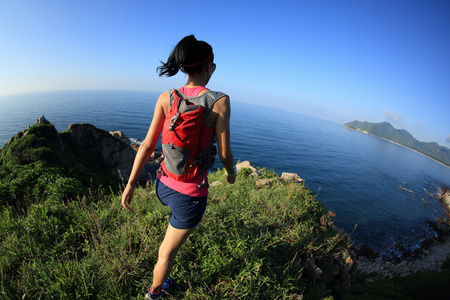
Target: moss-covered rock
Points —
{"points": [[40, 163]]}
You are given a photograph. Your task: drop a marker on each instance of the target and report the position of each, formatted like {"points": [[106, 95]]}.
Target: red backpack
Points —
{"points": [[181, 134]]}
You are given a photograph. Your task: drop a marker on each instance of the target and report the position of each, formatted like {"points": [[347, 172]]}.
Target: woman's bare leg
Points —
{"points": [[172, 242]]}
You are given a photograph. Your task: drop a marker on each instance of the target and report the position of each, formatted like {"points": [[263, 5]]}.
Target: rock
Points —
{"points": [[404, 274], [265, 181], [349, 262], [431, 259], [446, 197], [334, 271], [318, 271], [314, 271], [402, 264], [42, 120], [215, 183], [121, 136], [113, 153], [341, 265], [246, 164], [291, 176], [155, 155]]}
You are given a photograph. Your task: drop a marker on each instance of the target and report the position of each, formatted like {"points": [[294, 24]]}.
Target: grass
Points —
{"points": [[253, 243]]}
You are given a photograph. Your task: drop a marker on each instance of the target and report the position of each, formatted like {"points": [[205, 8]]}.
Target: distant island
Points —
{"points": [[402, 137]]}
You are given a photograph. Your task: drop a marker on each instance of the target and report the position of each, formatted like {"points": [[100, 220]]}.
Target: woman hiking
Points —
{"points": [[186, 196]]}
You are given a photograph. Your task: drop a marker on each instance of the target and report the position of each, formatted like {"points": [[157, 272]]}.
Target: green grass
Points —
{"points": [[253, 243]]}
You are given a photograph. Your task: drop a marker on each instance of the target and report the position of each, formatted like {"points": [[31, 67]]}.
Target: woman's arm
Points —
{"points": [[223, 109], [147, 147]]}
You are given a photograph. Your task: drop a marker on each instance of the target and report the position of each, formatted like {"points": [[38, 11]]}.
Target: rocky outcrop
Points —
{"points": [[291, 176], [446, 198], [42, 120], [267, 181], [246, 165], [443, 196], [113, 149], [121, 136], [430, 258]]}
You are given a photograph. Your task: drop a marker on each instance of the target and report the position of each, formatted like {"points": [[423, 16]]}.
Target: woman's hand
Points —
{"points": [[231, 178], [127, 196]]}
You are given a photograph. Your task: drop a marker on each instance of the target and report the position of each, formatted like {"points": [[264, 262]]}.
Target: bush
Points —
{"points": [[31, 183]]}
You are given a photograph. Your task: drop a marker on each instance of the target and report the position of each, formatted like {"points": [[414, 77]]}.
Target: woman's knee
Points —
{"points": [[167, 253]]}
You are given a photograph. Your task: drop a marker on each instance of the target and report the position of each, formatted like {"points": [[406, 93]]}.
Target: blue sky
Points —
{"points": [[336, 60]]}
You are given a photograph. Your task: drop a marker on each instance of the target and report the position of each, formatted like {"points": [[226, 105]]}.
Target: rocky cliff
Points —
{"points": [[42, 162], [113, 150]]}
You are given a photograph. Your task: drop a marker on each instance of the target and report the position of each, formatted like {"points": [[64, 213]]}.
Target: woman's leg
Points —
{"points": [[172, 242]]}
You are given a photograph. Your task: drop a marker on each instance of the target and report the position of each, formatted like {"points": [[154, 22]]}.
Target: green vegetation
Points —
{"points": [[39, 163], [386, 131], [253, 243]]}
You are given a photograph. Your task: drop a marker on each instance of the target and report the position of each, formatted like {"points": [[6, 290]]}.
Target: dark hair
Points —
{"points": [[189, 55]]}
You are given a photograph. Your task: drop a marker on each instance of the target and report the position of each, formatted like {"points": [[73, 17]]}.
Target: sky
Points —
{"points": [[335, 60]]}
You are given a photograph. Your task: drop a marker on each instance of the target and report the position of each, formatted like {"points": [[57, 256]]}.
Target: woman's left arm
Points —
{"points": [[146, 148]]}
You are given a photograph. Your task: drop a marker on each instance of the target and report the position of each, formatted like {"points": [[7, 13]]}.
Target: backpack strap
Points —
{"points": [[172, 97], [206, 100]]}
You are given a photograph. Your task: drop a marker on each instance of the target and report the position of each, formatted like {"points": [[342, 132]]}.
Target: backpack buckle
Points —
{"points": [[160, 170]]}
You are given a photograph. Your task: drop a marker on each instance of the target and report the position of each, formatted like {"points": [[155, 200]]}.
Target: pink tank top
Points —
{"points": [[206, 135]]}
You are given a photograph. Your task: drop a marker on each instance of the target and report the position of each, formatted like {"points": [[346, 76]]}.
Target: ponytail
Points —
{"points": [[189, 55]]}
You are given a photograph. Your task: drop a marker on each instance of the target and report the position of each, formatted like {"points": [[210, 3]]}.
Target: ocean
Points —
{"points": [[380, 192]]}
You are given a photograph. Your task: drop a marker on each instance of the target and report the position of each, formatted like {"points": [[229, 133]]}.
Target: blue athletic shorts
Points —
{"points": [[187, 211]]}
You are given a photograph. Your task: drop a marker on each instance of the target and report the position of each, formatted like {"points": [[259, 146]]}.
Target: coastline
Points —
{"points": [[413, 150], [432, 255], [365, 132]]}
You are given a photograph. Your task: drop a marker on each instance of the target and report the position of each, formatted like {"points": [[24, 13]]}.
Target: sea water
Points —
{"points": [[380, 192]]}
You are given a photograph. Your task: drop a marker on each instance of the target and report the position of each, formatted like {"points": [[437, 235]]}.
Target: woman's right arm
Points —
{"points": [[147, 147], [222, 128]]}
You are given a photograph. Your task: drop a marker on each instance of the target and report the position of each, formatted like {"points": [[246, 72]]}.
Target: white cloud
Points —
{"points": [[394, 117], [447, 140]]}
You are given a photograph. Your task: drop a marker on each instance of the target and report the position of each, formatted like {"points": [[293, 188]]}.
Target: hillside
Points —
{"points": [[386, 131], [64, 234]]}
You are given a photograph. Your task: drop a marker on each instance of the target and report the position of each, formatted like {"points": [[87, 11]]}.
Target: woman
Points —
{"points": [[187, 200]]}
